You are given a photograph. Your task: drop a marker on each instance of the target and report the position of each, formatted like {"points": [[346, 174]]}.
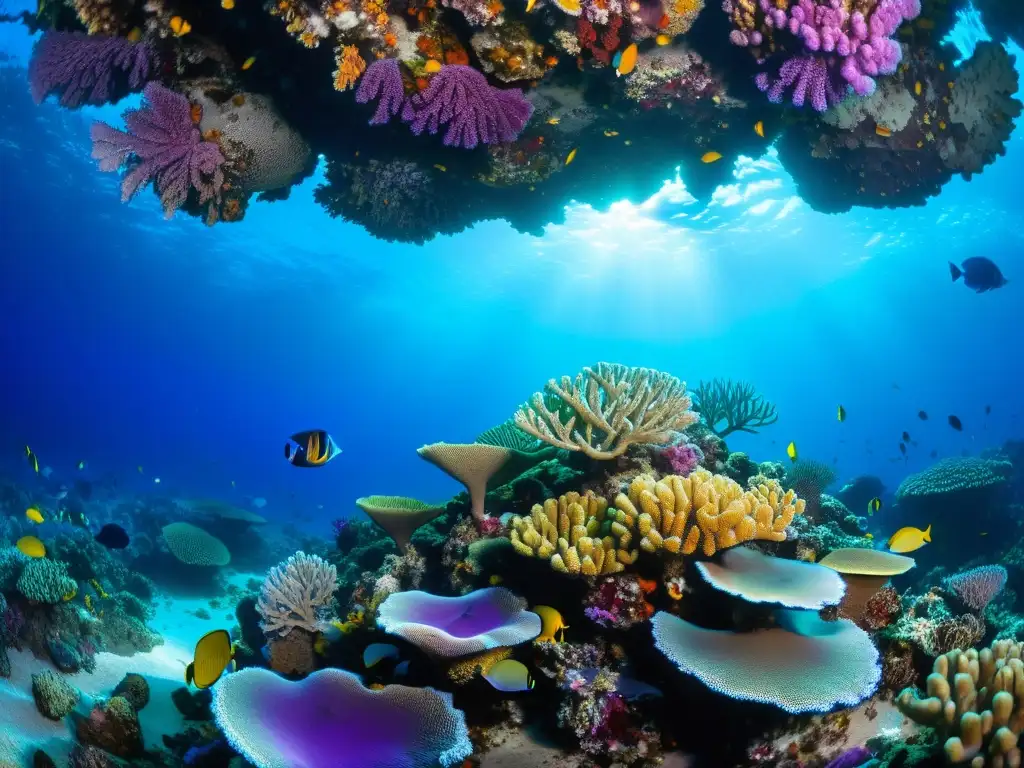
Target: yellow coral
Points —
{"points": [[975, 699], [678, 514], [567, 531]]}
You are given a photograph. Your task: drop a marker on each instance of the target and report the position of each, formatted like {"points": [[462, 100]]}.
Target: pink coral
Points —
{"points": [[683, 458], [976, 587], [619, 602]]}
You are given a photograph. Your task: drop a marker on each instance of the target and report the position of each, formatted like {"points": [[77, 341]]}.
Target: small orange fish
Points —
{"points": [[675, 591], [882, 131], [917, 88], [759, 128], [196, 112], [710, 157], [647, 585], [663, 39], [179, 26], [664, 21], [247, 64]]}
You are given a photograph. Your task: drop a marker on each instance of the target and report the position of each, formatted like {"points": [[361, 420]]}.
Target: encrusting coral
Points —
{"points": [[974, 699]]}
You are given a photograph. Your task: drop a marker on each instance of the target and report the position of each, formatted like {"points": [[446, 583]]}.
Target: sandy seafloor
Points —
{"points": [[24, 730]]}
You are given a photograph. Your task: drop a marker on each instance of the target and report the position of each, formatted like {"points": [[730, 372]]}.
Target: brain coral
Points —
{"points": [[953, 475], [758, 578], [46, 581], [194, 546], [457, 626], [331, 719], [296, 593], [810, 671]]}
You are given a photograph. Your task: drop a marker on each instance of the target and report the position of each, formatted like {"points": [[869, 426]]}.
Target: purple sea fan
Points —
{"points": [[812, 77], [162, 145], [383, 80], [976, 587], [851, 758], [82, 68], [473, 109]]}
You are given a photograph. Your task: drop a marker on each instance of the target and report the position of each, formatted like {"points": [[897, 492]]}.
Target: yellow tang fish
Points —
{"points": [[440, 168], [710, 157], [432, 66], [179, 26], [248, 63], [611, 133], [135, 35], [627, 61], [909, 539], [868, 536], [213, 654], [841, 414], [663, 39], [759, 128], [530, 4], [31, 546], [551, 622], [33, 514], [874, 505], [571, 156], [791, 451], [227, 5], [554, 120], [917, 88], [32, 460]]}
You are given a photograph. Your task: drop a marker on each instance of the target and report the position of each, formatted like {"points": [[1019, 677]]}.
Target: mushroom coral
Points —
{"points": [[759, 578]]}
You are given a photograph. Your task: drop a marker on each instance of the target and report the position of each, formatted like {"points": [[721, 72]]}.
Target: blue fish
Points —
{"points": [[376, 652], [979, 274]]}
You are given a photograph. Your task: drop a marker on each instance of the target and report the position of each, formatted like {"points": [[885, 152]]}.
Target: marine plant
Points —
{"points": [[728, 406]]}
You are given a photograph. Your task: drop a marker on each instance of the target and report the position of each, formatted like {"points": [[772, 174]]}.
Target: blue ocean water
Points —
{"points": [[153, 349]]}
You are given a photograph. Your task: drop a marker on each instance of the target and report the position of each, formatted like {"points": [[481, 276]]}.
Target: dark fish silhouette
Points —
{"points": [[112, 536], [903, 449], [922, 416], [988, 409], [980, 274], [906, 437], [955, 423], [934, 454]]}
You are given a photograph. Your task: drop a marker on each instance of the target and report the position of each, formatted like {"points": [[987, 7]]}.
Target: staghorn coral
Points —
{"points": [[971, 697], [976, 587], [616, 407], [194, 546], [295, 594], [724, 515], [736, 403], [86, 69], [578, 534]]}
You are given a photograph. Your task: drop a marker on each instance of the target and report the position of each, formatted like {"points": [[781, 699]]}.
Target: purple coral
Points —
{"points": [[851, 758], [331, 718], [83, 68], [162, 145], [474, 111], [976, 587], [383, 80], [683, 458], [812, 77]]}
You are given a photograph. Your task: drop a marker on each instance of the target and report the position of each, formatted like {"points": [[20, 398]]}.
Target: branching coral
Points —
{"points": [[84, 69], [974, 698], [736, 403], [162, 145], [977, 586], [295, 594], [616, 406], [579, 534]]}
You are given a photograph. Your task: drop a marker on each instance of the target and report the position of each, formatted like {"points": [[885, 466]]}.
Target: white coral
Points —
{"points": [[295, 594]]}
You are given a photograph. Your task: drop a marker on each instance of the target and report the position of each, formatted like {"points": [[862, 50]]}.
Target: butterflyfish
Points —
{"points": [[213, 654], [179, 26], [791, 451], [31, 546], [432, 66], [32, 460], [571, 156], [551, 623], [626, 60], [33, 514], [710, 157], [248, 63], [841, 414], [377, 652], [663, 39], [510, 676], [312, 448], [759, 128], [909, 539]]}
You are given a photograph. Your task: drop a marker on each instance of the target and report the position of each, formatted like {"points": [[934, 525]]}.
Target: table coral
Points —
{"points": [[972, 697], [954, 475]]}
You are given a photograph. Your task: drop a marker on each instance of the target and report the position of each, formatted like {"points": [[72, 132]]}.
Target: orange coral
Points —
{"points": [[456, 55], [350, 67], [390, 40]]}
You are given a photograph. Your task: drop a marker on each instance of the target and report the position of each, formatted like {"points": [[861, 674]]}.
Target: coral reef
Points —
{"points": [[84, 69], [296, 594], [54, 696], [112, 726]]}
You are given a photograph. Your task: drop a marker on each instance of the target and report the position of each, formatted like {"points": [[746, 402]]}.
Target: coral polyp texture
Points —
{"points": [[758, 578], [976, 587], [296, 594], [448, 627], [607, 408], [399, 516], [836, 664], [87, 69], [954, 475], [331, 718], [193, 546], [973, 698], [472, 464]]}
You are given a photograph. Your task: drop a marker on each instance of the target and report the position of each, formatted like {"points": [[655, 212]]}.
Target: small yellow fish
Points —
{"points": [[874, 505], [663, 39], [33, 514], [510, 676], [841, 414], [942, 125], [868, 536], [31, 546], [32, 460], [530, 4], [238, 99], [227, 5], [554, 120], [791, 451], [440, 168], [611, 133], [917, 88], [179, 26], [70, 595], [248, 63], [882, 131], [495, 580], [552, 624], [135, 35], [927, 119], [710, 157], [759, 128], [627, 63], [909, 539], [432, 66], [214, 652], [571, 156], [716, 99]]}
